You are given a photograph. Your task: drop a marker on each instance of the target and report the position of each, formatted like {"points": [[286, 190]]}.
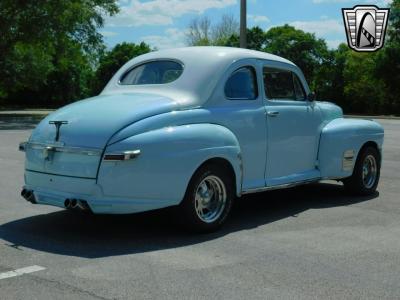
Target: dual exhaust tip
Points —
{"points": [[82, 205], [76, 204]]}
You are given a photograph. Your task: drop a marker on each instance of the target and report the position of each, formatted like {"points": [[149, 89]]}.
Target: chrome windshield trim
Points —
{"points": [[65, 149]]}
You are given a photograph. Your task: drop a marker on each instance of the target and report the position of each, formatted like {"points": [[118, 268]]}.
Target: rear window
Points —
{"points": [[154, 72]]}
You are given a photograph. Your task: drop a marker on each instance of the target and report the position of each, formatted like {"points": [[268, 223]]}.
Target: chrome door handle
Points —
{"points": [[272, 113]]}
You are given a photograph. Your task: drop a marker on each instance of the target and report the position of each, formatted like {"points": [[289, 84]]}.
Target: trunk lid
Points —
{"points": [[88, 126], [93, 121]]}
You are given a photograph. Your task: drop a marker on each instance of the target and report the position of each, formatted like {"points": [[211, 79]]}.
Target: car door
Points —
{"points": [[247, 121], [238, 105], [293, 126]]}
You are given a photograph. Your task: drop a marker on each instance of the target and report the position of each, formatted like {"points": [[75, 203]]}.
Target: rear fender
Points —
{"points": [[168, 159]]}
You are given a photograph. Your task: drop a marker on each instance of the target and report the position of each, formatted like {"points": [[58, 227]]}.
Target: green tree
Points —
{"points": [[364, 92], [111, 61], [394, 22], [222, 31], [328, 82], [199, 32], [202, 32], [388, 61], [255, 39], [49, 48], [302, 48]]}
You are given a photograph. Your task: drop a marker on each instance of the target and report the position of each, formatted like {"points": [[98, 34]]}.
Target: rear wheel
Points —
{"points": [[366, 173], [208, 199]]}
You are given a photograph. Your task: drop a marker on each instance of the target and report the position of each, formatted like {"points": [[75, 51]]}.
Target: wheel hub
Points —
{"points": [[210, 199], [369, 171]]}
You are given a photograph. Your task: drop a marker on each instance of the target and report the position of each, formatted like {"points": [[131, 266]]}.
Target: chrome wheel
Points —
{"points": [[210, 199], [369, 171]]}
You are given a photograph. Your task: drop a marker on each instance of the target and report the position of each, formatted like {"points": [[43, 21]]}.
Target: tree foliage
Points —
{"points": [[388, 61], [51, 53], [365, 90], [48, 48], [223, 30], [199, 32], [303, 48], [256, 39], [202, 32], [112, 60]]}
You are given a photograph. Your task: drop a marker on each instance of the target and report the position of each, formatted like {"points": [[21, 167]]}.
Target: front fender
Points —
{"points": [[345, 135], [168, 159]]}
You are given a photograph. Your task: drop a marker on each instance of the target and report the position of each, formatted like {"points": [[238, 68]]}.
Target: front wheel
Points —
{"points": [[208, 199], [366, 173]]}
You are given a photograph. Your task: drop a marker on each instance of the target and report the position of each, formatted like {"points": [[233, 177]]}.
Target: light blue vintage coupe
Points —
{"points": [[195, 128]]}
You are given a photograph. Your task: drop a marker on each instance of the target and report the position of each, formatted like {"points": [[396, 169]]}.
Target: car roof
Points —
{"points": [[203, 68], [227, 54]]}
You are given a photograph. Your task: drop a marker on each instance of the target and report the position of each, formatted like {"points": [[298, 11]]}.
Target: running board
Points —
{"points": [[281, 186]]}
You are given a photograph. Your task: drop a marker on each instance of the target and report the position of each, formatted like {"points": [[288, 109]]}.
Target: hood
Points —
{"points": [[93, 121]]}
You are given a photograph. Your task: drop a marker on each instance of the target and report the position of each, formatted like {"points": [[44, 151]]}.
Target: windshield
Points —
{"points": [[155, 72]]}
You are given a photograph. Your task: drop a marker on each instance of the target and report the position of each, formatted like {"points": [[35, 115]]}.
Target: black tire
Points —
{"points": [[188, 214], [356, 184]]}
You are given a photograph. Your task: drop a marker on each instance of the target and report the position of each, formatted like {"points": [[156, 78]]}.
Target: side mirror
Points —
{"points": [[311, 97]]}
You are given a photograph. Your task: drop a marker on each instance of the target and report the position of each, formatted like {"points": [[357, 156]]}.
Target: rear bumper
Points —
{"points": [[53, 190]]}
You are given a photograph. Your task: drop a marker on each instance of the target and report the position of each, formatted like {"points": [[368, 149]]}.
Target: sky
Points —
{"points": [[162, 23]]}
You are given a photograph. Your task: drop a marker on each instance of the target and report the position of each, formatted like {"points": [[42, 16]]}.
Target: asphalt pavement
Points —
{"points": [[311, 242]]}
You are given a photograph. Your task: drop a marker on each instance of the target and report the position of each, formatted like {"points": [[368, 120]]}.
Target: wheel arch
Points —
{"points": [[223, 162], [355, 184], [369, 144], [372, 144]]}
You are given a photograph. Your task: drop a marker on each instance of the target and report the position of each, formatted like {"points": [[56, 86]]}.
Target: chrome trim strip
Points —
{"points": [[130, 154], [58, 148], [61, 175], [280, 186], [348, 160]]}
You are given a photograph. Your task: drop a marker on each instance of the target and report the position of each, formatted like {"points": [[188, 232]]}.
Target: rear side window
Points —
{"points": [[154, 72], [282, 84], [242, 85]]}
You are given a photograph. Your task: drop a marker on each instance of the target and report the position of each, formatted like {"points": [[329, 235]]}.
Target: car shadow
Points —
{"points": [[93, 236]]}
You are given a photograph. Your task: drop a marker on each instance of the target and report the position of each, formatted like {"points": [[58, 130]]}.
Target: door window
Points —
{"points": [[282, 84], [298, 88]]}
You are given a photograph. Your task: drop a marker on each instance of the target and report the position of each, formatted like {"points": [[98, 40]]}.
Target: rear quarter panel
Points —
{"points": [[168, 159]]}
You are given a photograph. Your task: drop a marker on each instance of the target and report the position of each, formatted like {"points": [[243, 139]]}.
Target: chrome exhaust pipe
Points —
{"points": [[81, 206], [67, 203], [74, 203], [28, 195], [78, 204]]}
